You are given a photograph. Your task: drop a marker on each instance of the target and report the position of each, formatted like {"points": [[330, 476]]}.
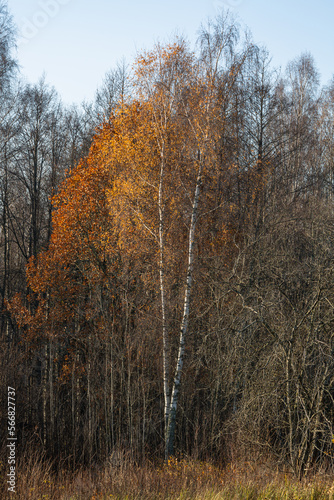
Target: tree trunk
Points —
{"points": [[185, 319]]}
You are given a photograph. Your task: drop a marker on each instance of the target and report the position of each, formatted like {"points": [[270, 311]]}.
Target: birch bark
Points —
{"points": [[185, 319], [163, 304]]}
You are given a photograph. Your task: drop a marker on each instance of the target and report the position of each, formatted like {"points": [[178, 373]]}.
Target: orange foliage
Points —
{"points": [[106, 215]]}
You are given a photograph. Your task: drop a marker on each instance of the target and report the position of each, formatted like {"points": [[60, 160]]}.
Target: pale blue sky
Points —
{"points": [[76, 41]]}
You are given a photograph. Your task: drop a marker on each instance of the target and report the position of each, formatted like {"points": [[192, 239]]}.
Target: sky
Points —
{"points": [[75, 42]]}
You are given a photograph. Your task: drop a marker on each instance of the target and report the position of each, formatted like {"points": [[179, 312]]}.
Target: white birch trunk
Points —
{"points": [[163, 304], [185, 319]]}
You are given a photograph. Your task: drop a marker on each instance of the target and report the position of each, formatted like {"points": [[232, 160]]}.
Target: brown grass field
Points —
{"points": [[180, 479]]}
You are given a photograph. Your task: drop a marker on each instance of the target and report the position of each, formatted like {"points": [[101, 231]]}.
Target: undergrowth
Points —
{"points": [[180, 479]]}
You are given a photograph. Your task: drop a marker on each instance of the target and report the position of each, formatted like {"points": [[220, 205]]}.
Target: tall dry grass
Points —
{"points": [[180, 479]]}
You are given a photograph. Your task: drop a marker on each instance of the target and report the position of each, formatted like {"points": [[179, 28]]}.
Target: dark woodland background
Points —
{"points": [[84, 350]]}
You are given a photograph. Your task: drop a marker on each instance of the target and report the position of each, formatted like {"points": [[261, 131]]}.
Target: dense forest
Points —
{"points": [[167, 258]]}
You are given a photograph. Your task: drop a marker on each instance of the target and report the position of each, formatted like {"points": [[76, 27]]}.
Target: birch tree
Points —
{"points": [[185, 93]]}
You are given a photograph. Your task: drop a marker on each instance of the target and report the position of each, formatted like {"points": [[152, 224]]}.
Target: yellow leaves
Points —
{"points": [[158, 73], [192, 471], [143, 162]]}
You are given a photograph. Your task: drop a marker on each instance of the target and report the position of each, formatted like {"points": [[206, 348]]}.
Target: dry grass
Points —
{"points": [[185, 479]]}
